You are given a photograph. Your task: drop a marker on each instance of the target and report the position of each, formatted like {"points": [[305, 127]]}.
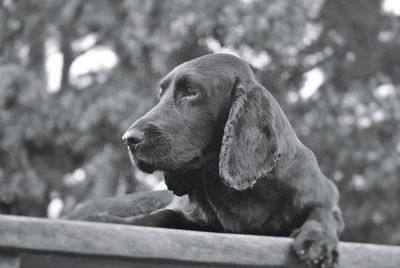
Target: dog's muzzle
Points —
{"points": [[149, 149]]}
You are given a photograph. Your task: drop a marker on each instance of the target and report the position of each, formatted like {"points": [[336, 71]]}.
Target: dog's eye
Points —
{"points": [[190, 91]]}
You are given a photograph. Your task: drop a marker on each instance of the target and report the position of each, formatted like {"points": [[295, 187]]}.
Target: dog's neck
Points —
{"points": [[186, 180]]}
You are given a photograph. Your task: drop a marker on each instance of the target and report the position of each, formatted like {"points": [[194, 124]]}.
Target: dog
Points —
{"points": [[233, 161]]}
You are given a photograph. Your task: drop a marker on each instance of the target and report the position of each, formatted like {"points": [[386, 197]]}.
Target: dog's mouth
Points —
{"points": [[150, 165], [147, 163], [143, 165], [196, 162]]}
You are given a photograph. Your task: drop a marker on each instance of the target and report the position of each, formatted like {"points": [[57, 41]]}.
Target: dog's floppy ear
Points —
{"points": [[249, 146]]}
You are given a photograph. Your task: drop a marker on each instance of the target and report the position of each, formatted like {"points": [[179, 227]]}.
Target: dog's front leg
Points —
{"points": [[316, 242], [160, 218], [176, 215]]}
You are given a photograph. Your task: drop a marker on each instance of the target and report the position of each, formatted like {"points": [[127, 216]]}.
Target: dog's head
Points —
{"points": [[212, 104]]}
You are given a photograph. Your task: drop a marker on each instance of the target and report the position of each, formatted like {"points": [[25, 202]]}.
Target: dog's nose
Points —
{"points": [[133, 137]]}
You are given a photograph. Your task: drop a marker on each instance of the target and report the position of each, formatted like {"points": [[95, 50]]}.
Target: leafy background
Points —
{"points": [[75, 74]]}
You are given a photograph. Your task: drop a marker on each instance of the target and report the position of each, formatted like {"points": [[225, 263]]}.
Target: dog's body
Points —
{"points": [[230, 154]]}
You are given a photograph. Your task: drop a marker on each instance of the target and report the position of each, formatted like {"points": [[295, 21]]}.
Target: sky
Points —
{"points": [[391, 6]]}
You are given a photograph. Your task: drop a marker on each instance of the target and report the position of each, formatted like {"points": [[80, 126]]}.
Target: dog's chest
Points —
{"points": [[259, 210]]}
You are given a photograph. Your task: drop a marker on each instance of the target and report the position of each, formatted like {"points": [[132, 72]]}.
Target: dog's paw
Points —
{"points": [[316, 247]]}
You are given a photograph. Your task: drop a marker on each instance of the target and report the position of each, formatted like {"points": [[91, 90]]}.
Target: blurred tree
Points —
{"points": [[67, 140]]}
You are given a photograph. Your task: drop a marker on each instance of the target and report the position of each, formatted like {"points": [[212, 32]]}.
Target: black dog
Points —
{"points": [[229, 152]]}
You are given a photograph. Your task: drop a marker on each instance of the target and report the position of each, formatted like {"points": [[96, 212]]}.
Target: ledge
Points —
{"points": [[25, 242]]}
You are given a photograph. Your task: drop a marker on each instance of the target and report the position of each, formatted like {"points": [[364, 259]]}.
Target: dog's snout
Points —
{"points": [[133, 137]]}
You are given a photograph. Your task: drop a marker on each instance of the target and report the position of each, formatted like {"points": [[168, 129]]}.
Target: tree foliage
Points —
{"points": [[66, 143]]}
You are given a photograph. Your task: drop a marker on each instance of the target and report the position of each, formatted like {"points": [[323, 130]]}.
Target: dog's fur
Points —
{"points": [[230, 154]]}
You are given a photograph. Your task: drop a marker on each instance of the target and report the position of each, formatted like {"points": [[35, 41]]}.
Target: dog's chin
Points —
{"points": [[145, 167]]}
